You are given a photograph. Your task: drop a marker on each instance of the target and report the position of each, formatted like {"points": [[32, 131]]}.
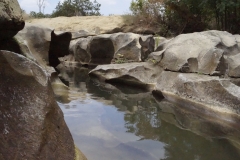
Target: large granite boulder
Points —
{"points": [[11, 20], [31, 123], [43, 45], [92, 50], [111, 48], [133, 47], [209, 52]]}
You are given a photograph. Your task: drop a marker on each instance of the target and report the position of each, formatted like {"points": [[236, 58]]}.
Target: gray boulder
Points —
{"points": [[238, 40], [200, 92], [112, 48], [42, 45], [31, 123], [142, 75], [205, 52], [78, 48], [92, 50], [101, 49], [11, 20], [133, 47]]}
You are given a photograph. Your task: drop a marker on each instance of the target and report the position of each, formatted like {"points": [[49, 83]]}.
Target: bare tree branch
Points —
{"points": [[41, 3]]}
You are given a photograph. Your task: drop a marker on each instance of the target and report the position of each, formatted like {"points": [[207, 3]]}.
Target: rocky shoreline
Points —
{"points": [[198, 72]]}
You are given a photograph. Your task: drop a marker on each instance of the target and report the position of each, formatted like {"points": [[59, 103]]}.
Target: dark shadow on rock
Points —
{"points": [[10, 28], [10, 45], [128, 84], [58, 47], [157, 95], [101, 50]]}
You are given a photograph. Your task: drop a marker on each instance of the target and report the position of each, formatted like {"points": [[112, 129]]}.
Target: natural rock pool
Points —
{"points": [[110, 122]]}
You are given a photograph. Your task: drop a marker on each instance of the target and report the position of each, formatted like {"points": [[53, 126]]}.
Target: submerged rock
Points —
{"points": [[31, 123]]}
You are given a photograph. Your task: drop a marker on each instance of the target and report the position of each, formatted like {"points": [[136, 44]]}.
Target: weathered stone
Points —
{"points": [[199, 52], [233, 65], [202, 91], [34, 42], [198, 91], [133, 47], [84, 34], [11, 20], [42, 45], [136, 74], [111, 48], [78, 48], [238, 40], [31, 123], [126, 46]]}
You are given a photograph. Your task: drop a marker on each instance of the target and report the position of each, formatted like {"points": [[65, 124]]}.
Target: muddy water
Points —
{"points": [[112, 122]]}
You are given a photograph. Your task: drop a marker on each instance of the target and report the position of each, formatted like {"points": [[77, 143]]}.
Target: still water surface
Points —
{"points": [[109, 122]]}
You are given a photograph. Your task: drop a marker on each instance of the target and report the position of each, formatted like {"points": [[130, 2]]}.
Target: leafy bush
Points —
{"points": [[39, 15], [184, 16], [71, 8]]}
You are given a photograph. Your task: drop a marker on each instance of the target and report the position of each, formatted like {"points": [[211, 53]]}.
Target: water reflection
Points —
{"points": [[117, 122]]}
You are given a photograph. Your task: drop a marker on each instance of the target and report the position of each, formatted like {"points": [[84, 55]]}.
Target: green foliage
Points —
{"points": [[184, 16], [71, 8], [86, 7], [137, 6], [65, 9], [39, 15]]}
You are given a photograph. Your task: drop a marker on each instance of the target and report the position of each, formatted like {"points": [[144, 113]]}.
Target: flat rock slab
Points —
{"points": [[135, 74]]}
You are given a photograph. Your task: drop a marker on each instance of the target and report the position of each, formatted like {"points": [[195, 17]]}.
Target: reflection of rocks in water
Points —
{"points": [[127, 99], [155, 118], [73, 78], [200, 124], [82, 87], [204, 124], [154, 124]]}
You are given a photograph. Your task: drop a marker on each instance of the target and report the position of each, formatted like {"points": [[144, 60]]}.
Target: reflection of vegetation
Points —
{"points": [[180, 144], [185, 16], [144, 119]]}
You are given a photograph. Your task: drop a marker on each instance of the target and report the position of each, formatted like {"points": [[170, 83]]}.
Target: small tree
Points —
{"points": [[41, 4], [77, 8]]}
